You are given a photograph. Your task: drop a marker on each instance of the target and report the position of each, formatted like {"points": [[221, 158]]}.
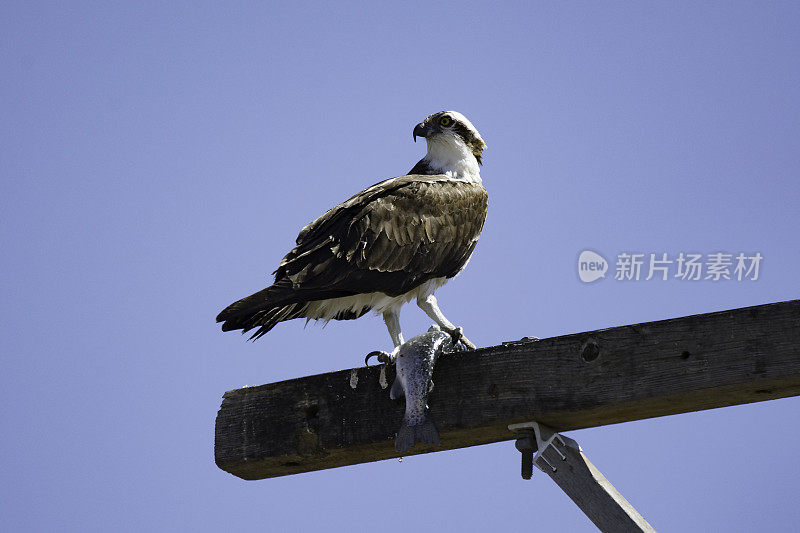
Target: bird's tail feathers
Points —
{"points": [[279, 302], [266, 320], [262, 310]]}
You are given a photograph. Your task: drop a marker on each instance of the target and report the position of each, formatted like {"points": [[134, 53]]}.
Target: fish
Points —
{"points": [[414, 361]]}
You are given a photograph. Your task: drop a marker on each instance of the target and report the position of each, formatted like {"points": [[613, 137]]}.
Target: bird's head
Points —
{"points": [[451, 137]]}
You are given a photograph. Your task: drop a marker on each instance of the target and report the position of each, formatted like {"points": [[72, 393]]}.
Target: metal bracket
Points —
{"points": [[577, 477], [535, 437]]}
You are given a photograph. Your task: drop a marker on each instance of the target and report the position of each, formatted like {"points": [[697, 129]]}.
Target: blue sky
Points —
{"points": [[158, 161]]}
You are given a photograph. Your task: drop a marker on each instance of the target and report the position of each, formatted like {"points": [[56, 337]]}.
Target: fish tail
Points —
{"points": [[424, 432], [405, 437]]}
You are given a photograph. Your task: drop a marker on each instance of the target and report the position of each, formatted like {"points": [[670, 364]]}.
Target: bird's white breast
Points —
{"points": [[377, 301]]}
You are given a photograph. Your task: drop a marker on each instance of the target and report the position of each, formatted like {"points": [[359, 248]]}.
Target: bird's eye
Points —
{"points": [[445, 121]]}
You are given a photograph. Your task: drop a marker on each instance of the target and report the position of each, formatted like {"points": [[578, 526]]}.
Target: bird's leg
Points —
{"points": [[392, 320], [431, 308]]}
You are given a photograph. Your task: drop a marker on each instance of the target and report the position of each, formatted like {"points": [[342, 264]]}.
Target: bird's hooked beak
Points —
{"points": [[420, 130]]}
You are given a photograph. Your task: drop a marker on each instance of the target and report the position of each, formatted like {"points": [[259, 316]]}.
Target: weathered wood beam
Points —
{"points": [[569, 382]]}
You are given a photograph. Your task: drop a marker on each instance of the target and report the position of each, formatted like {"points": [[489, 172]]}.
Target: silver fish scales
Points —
{"points": [[414, 362]]}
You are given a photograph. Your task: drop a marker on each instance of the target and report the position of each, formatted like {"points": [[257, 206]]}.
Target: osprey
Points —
{"points": [[398, 240]]}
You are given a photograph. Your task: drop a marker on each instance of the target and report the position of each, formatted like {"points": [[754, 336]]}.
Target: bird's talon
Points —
{"points": [[382, 357], [458, 337]]}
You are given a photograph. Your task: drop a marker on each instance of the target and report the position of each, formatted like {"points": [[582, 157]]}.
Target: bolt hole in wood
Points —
{"points": [[685, 355], [590, 350]]}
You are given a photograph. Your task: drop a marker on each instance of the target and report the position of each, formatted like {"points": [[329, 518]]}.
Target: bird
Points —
{"points": [[398, 240]]}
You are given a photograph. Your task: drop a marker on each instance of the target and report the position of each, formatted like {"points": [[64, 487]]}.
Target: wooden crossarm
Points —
{"points": [[569, 382]]}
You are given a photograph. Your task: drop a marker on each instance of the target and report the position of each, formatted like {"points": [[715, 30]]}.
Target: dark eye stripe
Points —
{"points": [[462, 131]]}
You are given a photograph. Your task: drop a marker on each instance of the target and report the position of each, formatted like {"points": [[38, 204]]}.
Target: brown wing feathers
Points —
{"points": [[389, 238]]}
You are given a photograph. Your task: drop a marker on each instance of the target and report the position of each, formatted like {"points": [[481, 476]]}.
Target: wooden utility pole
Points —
{"points": [[569, 382]]}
